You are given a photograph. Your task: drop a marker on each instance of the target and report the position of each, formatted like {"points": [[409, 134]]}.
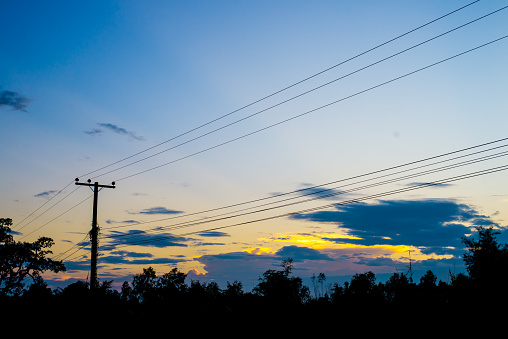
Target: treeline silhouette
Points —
{"points": [[152, 297]]}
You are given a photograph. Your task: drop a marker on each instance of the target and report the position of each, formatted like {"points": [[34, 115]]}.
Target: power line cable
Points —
{"points": [[286, 88], [313, 110], [259, 100], [375, 196], [299, 191], [333, 194], [44, 204], [301, 94], [38, 216], [79, 203]]}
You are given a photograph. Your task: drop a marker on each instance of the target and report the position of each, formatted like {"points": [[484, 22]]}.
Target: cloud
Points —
{"points": [[116, 129], [298, 253], [214, 234], [428, 184], [120, 130], [45, 194], [135, 258], [95, 131], [110, 222], [13, 101], [143, 238], [319, 192], [427, 223], [158, 210]]}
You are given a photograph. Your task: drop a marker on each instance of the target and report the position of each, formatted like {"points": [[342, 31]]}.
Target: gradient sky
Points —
{"points": [[85, 85]]}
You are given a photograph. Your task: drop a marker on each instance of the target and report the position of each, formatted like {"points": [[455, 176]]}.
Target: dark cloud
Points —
{"points": [[319, 192], [298, 253], [45, 194], [135, 258], [13, 101], [425, 223], [109, 221], [120, 130], [116, 129], [95, 131], [214, 234], [248, 267], [209, 244], [158, 210], [375, 262], [143, 238], [131, 254]]}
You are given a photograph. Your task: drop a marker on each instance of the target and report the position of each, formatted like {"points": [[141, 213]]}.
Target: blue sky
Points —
{"points": [[164, 85]]}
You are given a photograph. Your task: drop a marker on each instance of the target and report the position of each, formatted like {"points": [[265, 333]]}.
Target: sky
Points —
{"points": [[350, 136]]}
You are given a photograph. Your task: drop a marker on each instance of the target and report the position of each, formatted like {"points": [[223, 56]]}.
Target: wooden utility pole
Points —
{"points": [[95, 230]]}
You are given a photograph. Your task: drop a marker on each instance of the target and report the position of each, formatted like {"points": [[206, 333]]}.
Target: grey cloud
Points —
{"points": [[114, 128], [214, 234], [158, 210], [45, 194], [121, 130], [13, 101], [428, 184], [95, 131], [319, 192], [301, 253], [143, 238]]}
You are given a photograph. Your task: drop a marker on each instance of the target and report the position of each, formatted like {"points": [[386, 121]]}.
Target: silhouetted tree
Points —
{"points": [[428, 280], [398, 289], [362, 284], [19, 260], [144, 285], [234, 290], [280, 287], [171, 285], [485, 259]]}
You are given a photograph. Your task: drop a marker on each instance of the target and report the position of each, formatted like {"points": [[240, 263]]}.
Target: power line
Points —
{"points": [[79, 203], [286, 88], [314, 110], [301, 94], [411, 176], [259, 100], [54, 196], [299, 191], [375, 196]]}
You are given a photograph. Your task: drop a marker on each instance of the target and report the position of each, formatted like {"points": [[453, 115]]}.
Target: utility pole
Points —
{"points": [[95, 230], [410, 272]]}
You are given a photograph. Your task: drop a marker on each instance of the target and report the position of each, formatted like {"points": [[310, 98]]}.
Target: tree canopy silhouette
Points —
{"points": [[280, 287], [19, 260]]}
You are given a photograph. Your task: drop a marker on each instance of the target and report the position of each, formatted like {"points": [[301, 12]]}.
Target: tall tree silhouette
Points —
{"points": [[280, 287], [20, 260], [486, 262], [485, 258]]}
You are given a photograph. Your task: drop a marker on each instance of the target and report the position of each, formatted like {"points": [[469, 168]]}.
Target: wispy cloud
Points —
{"points": [[45, 194], [429, 184], [143, 238], [319, 192], [13, 101], [114, 128], [109, 221], [157, 210], [214, 234], [94, 131]]}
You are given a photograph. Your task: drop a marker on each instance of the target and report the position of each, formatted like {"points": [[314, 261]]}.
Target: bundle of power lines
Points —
{"points": [[474, 154]]}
